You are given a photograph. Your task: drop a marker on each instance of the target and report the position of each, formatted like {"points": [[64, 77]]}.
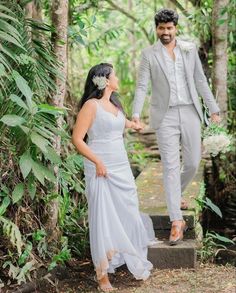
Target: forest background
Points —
{"points": [[46, 50]]}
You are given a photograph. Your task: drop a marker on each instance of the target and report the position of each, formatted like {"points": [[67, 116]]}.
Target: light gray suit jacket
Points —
{"points": [[153, 68]]}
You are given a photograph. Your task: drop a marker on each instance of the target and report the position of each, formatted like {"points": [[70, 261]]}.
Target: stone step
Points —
{"points": [[151, 191], [152, 201], [194, 233], [183, 255], [162, 226], [162, 222], [164, 234]]}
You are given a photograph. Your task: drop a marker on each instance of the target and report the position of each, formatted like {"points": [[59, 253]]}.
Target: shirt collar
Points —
{"points": [[164, 47]]}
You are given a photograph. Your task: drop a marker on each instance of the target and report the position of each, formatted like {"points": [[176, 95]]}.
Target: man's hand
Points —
{"points": [[215, 118]]}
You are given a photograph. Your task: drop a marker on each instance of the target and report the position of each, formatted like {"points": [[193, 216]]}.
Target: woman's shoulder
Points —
{"points": [[91, 104], [89, 108]]}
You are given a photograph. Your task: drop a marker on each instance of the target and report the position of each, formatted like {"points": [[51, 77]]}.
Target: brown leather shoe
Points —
{"points": [[177, 233]]}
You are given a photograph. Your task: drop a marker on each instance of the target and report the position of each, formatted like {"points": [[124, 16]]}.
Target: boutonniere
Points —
{"points": [[186, 46]]}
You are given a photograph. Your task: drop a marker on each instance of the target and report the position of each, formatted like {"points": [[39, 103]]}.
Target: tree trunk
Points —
{"points": [[37, 11], [133, 44], [219, 37], [29, 10], [59, 41], [33, 10]]}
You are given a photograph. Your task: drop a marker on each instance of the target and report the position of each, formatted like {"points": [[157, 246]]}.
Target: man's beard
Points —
{"points": [[166, 39]]}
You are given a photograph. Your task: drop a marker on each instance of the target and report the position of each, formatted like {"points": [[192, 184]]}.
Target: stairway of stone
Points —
{"points": [[152, 201]]}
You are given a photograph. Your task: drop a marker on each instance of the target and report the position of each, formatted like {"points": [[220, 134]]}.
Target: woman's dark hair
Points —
{"points": [[166, 15], [91, 90]]}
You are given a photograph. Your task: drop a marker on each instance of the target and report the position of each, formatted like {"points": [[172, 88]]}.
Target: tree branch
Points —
{"points": [[123, 11], [84, 7], [181, 8]]}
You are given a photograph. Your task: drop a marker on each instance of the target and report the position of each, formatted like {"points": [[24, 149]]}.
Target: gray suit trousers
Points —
{"points": [[181, 126]]}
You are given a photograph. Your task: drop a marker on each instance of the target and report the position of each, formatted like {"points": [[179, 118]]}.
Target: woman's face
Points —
{"points": [[113, 81]]}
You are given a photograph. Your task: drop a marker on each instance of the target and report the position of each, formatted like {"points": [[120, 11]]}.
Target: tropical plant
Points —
{"points": [[212, 242], [203, 202], [27, 157]]}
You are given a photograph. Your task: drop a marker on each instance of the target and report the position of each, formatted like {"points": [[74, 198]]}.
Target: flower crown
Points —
{"points": [[100, 81]]}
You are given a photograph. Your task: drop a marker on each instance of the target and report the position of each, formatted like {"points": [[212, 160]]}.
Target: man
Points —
{"points": [[177, 78]]}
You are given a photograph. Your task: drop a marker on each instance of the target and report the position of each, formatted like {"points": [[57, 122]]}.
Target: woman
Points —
{"points": [[117, 232]]}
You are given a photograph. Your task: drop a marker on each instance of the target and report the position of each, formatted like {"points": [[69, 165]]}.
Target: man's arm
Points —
{"points": [[203, 89], [141, 87]]}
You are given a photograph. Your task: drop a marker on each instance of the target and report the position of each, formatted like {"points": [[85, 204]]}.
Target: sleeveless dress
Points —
{"points": [[118, 233]]}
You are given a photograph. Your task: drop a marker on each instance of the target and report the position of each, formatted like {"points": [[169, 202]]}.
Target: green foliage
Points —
{"points": [[28, 127], [21, 274], [39, 242], [211, 243], [62, 256], [214, 129], [203, 202], [105, 35], [200, 20], [136, 152], [28, 123], [210, 205], [12, 231]]}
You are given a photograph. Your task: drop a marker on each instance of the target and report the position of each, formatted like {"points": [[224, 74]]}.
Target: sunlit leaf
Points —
{"points": [[12, 120], [5, 203], [39, 140], [25, 164], [18, 193], [213, 207], [18, 101], [38, 171], [23, 86]]}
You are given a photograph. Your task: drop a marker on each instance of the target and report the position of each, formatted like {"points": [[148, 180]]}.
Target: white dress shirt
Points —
{"points": [[179, 92]]}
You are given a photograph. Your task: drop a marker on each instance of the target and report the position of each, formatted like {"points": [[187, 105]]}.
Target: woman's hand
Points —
{"points": [[137, 126], [101, 170]]}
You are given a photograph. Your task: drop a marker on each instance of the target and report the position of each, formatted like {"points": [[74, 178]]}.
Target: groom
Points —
{"points": [[177, 79]]}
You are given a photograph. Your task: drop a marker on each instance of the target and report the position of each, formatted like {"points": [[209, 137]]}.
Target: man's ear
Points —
{"points": [[156, 31]]}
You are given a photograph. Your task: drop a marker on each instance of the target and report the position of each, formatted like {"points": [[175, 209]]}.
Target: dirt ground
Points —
{"points": [[79, 277], [205, 279]]}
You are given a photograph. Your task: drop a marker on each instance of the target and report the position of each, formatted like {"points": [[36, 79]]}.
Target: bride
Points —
{"points": [[118, 232]]}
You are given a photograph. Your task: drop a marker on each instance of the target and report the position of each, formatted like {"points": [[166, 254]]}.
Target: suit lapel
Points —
{"points": [[185, 58], [161, 59]]}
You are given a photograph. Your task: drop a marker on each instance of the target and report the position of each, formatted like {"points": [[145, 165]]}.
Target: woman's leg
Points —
{"points": [[105, 285]]}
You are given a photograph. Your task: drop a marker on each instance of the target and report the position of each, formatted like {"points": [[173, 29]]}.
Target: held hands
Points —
{"points": [[215, 118], [101, 170], [136, 124]]}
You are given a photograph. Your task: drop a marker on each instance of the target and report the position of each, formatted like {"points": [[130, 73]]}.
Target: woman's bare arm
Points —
{"points": [[83, 122]]}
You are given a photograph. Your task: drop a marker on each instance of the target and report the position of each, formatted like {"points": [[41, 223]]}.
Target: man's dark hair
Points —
{"points": [[166, 15]]}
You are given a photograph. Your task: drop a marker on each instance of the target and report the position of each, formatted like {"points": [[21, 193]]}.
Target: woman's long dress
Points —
{"points": [[117, 231]]}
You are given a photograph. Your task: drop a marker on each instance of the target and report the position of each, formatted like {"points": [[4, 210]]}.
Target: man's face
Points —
{"points": [[166, 32]]}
